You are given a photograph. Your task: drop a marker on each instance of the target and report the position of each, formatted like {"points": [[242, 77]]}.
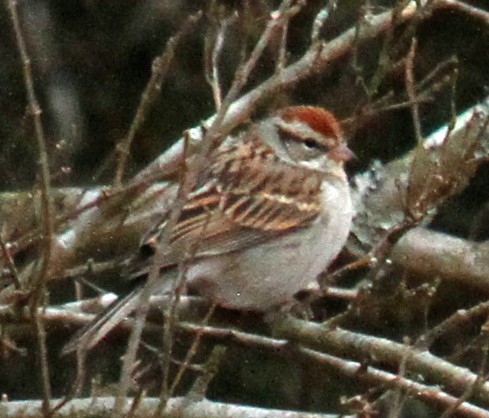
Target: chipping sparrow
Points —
{"points": [[272, 213]]}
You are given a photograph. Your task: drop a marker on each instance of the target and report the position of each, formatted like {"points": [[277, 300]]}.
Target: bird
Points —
{"points": [[271, 211]]}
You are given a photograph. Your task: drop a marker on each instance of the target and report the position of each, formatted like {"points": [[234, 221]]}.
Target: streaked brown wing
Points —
{"points": [[260, 191], [252, 199]]}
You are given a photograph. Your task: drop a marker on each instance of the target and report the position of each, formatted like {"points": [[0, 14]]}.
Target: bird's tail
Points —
{"points": [[88, 336]]}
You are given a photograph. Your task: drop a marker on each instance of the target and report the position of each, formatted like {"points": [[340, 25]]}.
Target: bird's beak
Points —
{"points": [[341, 154]]}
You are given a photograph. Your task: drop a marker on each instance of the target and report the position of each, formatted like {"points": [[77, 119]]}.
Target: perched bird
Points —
{"points": [[272, 212]]}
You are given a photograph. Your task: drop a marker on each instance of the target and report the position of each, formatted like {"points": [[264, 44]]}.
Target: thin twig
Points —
{"points": [[47, 210], [279, 20], [354, 63], [440, 68], [282, 50], [321, 17], [159, 70], [386, 54], [190, 352], [77, 383], [212, 63], [10, 263], [459, 319], [465, 8], [185, 186], [211, 368], [170, 320], [469, 391], [411, 91]]}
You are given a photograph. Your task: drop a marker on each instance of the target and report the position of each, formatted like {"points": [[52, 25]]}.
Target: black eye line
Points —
{"points": [[310, 143]]}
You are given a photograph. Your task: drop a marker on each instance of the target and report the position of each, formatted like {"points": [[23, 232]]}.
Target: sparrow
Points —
{"points": [[271, 213]]}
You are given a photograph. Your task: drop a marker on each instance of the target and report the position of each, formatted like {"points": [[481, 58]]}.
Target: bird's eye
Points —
{"points": [[311, 143]]}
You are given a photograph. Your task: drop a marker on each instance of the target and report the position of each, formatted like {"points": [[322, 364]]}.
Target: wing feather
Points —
{"points": [[253, 197]]}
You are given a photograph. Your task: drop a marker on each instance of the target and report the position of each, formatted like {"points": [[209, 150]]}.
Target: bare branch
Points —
{"points": [[411, 91], [39, 283], [345, 343], [317, 59], [176, 408], [10, 263], [159, 70]]}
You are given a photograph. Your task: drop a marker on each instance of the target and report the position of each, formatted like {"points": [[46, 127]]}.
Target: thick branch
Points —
{"points": [[380, 350], [177, 407], [437, 254]]}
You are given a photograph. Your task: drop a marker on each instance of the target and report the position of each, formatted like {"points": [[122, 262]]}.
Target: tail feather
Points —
{"points": [[89, 336]]}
